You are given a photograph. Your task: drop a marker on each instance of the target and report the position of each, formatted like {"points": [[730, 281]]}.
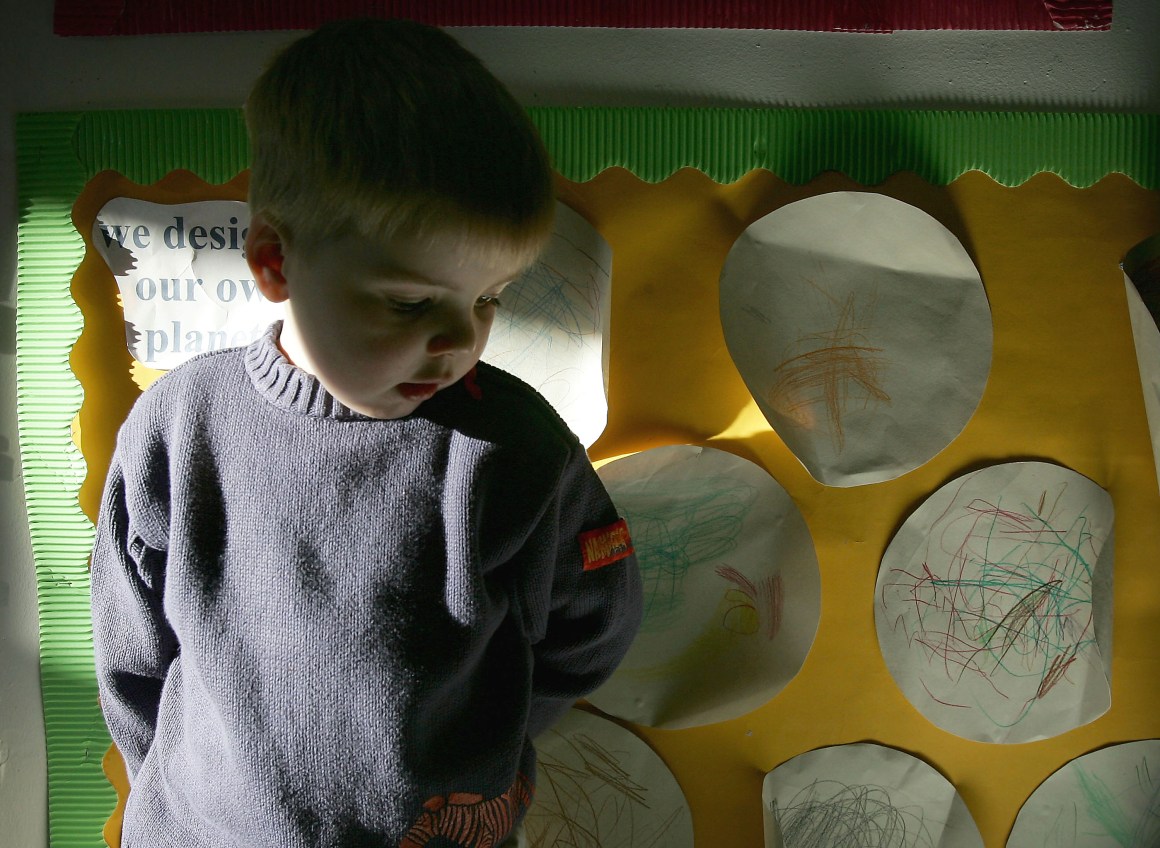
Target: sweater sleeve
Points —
{"points": [[585, 618], [132, 642]]}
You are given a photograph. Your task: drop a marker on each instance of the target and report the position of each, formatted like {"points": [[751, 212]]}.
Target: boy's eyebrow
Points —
{"points": [[397, 273], [390, 272]]}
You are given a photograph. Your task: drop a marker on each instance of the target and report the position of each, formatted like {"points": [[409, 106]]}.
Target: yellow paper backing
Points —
{"points": [[1064, 388]]}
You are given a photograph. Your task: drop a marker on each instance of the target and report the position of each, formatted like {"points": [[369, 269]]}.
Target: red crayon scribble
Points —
{"points": [[764, 600]]}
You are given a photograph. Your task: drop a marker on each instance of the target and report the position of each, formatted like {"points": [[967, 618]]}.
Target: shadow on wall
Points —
{"points": [[1142, 265]]}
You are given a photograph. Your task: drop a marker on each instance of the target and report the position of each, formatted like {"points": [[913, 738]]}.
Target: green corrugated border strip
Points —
{"points": [[47, 396], [58, 153], [795, 144], [868, 146]]}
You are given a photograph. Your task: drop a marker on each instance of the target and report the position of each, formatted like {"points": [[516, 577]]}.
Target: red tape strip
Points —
{"points": [[140, 17]]}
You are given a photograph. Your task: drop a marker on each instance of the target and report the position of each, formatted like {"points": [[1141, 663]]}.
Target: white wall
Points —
{"points": [[1114, 71]]}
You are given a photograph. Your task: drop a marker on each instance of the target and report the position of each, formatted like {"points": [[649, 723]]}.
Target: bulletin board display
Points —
{"points": [[1044, 206]]}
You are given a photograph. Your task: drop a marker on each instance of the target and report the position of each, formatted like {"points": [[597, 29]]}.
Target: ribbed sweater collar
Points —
{"points": [[287, 386]]}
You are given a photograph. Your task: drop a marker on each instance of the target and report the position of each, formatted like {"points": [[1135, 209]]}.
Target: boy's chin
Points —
{"points": [[397, 403]]}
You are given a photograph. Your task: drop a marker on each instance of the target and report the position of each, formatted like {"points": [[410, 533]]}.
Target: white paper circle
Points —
{"points": [[1106, 799], [993, 603], [550, 330], [731, 587], [1146, 336], [861, 327], [863, 796], [599, 786]]}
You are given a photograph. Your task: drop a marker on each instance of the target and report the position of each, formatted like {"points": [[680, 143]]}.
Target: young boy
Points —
{"points": [[343, 576]]}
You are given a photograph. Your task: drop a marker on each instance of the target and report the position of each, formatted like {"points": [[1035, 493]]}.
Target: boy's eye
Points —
{"points": [[409, 305], [488, 300]]}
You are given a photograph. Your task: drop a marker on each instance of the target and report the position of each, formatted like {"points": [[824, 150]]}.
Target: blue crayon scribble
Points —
{"points": [[540, 308], [677, 525], [1131, 825]]}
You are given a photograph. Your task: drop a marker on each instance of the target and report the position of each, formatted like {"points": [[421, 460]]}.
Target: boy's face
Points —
{"points": [[384, 325]]}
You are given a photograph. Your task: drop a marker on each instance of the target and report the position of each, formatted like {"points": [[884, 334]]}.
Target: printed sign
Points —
{"points": [[183, 278]]}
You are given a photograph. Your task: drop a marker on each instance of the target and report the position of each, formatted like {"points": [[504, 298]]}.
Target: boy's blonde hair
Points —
{"points": [[388, 128]]}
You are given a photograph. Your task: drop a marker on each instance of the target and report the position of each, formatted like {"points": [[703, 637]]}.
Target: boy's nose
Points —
{"points": [[453, 336]]}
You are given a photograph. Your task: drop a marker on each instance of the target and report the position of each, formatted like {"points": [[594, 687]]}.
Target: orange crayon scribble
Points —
{"points": [[835, 367]]}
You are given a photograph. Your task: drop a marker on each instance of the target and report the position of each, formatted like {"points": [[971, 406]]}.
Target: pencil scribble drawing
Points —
{"points": [[588, 799], [827, 813]]}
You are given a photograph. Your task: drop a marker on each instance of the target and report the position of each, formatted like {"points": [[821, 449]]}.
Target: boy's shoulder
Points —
{"points": [[517, 452], [202, 368], [495, 406], [192, 383], [201, 365]]}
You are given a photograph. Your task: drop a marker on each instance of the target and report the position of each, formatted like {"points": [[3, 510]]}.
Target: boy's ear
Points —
{"points": [[264, 255]]}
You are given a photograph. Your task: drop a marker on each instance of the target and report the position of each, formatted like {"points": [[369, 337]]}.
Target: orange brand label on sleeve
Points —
{"points": [[605, 545]]}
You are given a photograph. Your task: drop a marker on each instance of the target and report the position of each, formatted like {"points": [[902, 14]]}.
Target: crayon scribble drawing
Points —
{"points": [[990, 625], [599, 786], [861, 328], [677, 525], [863, 796], [746, 610], [730, 583], [1127, 822], [831, 371], [547, 309], [1109, 798], [549, 330], [752, 607]]}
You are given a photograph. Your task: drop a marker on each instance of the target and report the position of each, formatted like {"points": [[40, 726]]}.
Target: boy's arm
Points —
{"points": [[593, 608], [132, 641]]}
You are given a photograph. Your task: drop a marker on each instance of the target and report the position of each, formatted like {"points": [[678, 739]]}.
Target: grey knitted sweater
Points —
{"points": [[314, 628]]}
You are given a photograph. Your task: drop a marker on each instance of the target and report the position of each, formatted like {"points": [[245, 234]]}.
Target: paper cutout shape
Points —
{"points": [[600, 785], [1142, 276], [993, 603], [1146, 337], [863, 794], [731, 587], [181, 272], [551, 328], [861, 328], [1106, 799], [1142, 265]]}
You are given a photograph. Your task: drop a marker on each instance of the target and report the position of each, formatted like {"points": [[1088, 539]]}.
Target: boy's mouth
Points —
{"points": [[418, 391]]}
